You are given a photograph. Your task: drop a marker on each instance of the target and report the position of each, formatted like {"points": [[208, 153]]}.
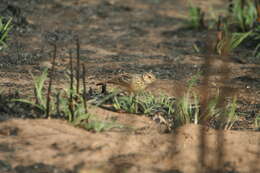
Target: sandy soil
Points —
{"points": [[117, 36], [142, 149]]}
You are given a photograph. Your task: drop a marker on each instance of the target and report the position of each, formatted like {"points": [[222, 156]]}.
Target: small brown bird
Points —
{"points": [[132, 82]]}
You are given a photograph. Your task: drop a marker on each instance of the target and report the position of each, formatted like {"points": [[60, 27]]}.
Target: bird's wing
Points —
{"points": [[123, 80]]}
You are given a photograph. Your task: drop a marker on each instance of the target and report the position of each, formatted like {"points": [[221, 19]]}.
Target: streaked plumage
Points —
{"points": [[133, 82]]}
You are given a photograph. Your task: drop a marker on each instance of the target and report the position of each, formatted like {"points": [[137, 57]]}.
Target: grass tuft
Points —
{"points": [[177, 112], [196, 17], [40, 99], [4, 30]]}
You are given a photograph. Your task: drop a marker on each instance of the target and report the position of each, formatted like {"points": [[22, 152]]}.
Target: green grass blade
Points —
{"points": [[41, 107]]}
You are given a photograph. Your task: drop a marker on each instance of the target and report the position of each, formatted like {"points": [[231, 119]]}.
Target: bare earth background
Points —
{"points": [[119, 36]]}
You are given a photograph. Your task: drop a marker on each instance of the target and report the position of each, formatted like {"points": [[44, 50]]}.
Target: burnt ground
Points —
{"points": [[118, 36]]}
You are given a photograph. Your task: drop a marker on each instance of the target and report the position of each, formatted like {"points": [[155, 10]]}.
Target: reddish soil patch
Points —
{"points": [[143, 149]]}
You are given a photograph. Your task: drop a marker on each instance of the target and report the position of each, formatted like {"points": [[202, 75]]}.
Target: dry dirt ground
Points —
{"points": [[55, 146], [121, 36]]}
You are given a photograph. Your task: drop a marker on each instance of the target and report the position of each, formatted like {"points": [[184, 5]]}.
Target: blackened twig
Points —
{"points": [[104, 88], [84, 87], [36, 96], [257, 5], [78, 65], [58, 104], [50, 82], [71, 87]]}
